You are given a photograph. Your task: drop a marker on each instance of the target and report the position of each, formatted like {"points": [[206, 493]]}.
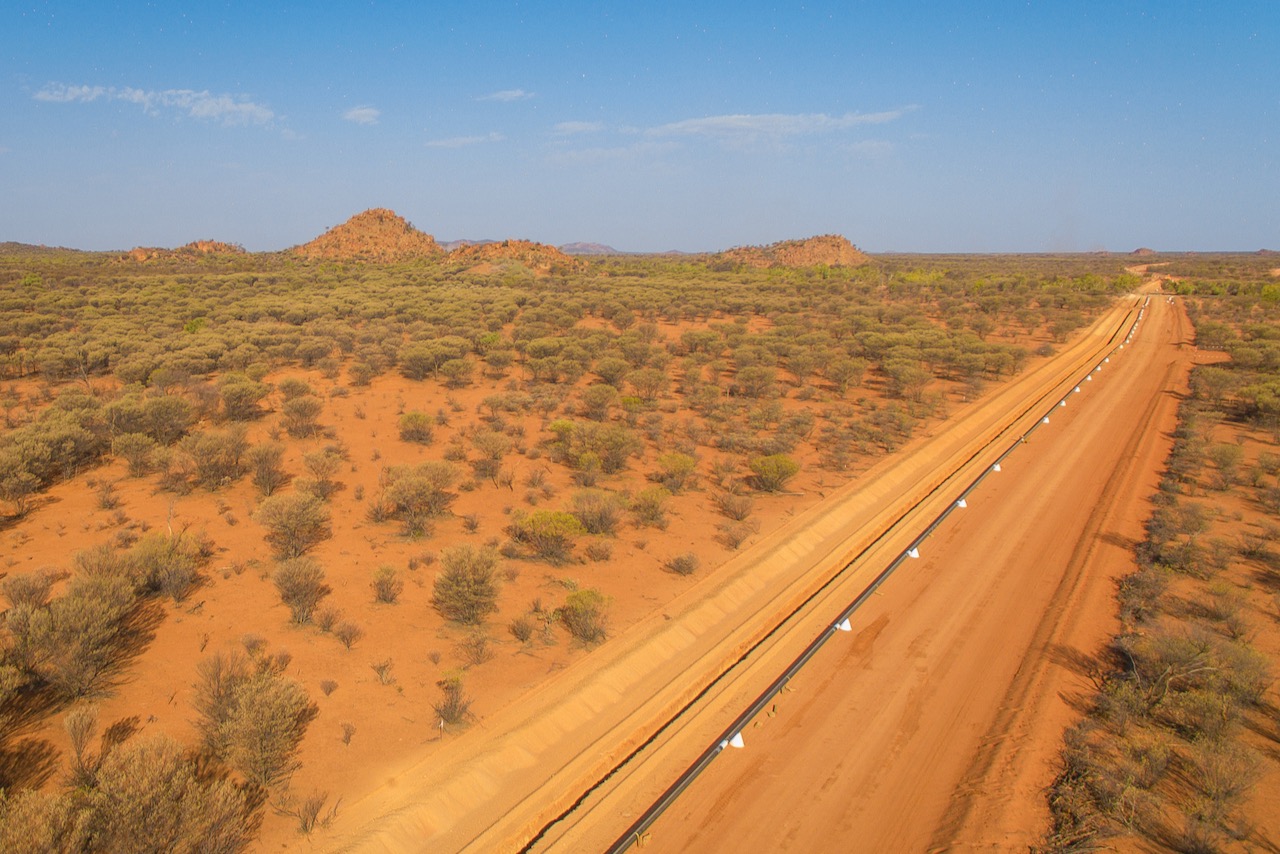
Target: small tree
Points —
{"points": [[466, 590], [268, 718], [772, 472], [300, 581], [295, 523]]}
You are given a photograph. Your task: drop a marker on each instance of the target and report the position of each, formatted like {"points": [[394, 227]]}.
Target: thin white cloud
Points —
{"points": [[570, 128], [363, 115], [506, 95], [464, 141], [224, 108], [644, 150], [746, 126]]}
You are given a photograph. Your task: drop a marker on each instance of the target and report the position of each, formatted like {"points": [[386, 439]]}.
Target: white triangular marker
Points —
{"points": [[844, 625], [1062, 402], [1077, 389], [996, 467], [962, 504], [737, 741], [913, 552], [1044, 420]]}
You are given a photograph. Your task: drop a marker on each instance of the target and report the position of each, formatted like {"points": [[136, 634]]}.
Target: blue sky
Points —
{"points": [[923, 127]]}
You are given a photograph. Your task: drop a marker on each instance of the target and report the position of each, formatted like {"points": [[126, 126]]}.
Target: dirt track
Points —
{"points": [[935, 724], [523, 766]]}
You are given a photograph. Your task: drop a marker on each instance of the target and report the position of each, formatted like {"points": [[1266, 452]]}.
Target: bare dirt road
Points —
{"points": [[934, 724]]}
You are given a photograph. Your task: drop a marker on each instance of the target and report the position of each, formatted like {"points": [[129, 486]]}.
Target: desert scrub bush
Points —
{"points": [[136, 449], [649, 507], [326, 618], [416, 427], [293, 388], [475, 647], [300, 582], [675, 470], [599, 550], [736, 506], [146, 794], [387, 585], [75, 640], [295, 523], [266, 468], [322, 465], [599, 512], [683, 564], [240, 397], [250, 717], [733, 534], [466, 590], [218, 456], [417, 494], [30, 590], [300, 416], [166, 564], [521, 628], [382, 669], [347, 633], [454, 706], [772, 472], [550, 534], [583, 615]]}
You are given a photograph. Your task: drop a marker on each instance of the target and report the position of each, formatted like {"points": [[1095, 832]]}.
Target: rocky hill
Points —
{"points": [[194, 249], [374, 235], [538, 257], [1143, 252], [829, 249]]}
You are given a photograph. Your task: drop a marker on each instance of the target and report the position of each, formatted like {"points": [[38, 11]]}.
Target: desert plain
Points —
{"points": [[376, 545]]}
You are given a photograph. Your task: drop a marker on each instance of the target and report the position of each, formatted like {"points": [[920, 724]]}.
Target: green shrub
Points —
{"points": [[772, 472], [583, 615], [300, 582], [550, 534], [466, 590]]}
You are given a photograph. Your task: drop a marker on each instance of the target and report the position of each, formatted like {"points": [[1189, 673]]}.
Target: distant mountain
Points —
{"points": [[588, 249], [829, 249], [450, 245], [10, 247], [1143, 252], [377, 234]]}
